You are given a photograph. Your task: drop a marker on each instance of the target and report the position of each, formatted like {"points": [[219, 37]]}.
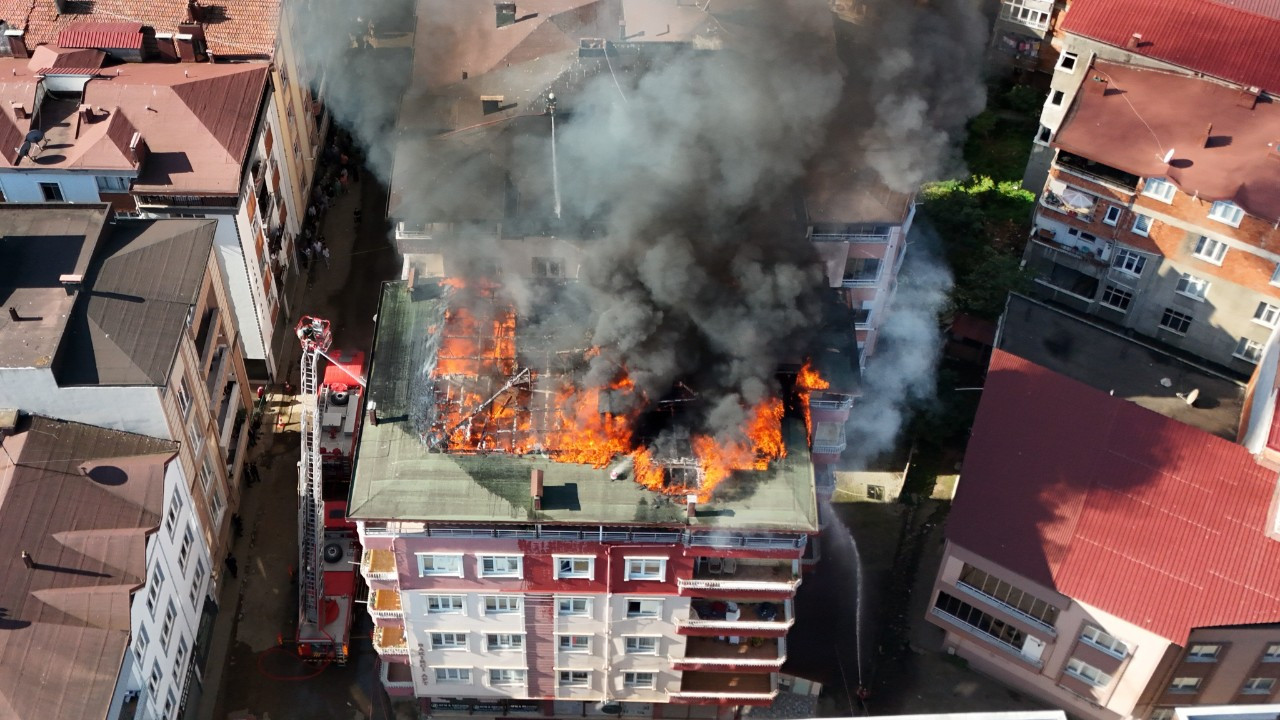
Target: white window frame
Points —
{"points": [[140, 643], [1160, 189], [153, 589], [1193, 287], [183, 398], [1186, 685], [112, 183], [1275, 276], [196, 581], [1056, 97], [1248, 350], [444, 640], [640, 644], [1130, 262], [654, 603], [1112, 215], [1266, 314], [497, 642], [1214, 250], [1271, 653], [1104, 641], [457, 605], [1064, 58], [1204, 652], [573, 648], [52, 188], [642, 572], [166, 628], [170, 700], [573, 680], [1227, 213], [573, 560], [1142, 224], [1258, 686], [631, 679], [176, 504], [427, 565], [184, 551], [571, 602], [501, 566], [1086, 673], [518, 677], [502, 604], [180, 659], [460, 675]]}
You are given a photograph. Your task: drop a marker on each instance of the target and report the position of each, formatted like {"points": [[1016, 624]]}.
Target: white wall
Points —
{"points": [[180, 585], [670, 645], [24, 186], [231, 259], [135, 409]]}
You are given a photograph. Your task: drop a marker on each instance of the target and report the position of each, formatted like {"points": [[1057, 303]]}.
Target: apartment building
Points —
{"points": [[84, 509], [1024, 32], [128, 325], [1132, 572], [505, 581], [1160, 211], [1231, 43]]}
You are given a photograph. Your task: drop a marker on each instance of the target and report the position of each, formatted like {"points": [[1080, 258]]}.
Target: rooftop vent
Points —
{"points": [[72, 282], [1249, 97], [1134, 41], [535, 488], [505, 13]]}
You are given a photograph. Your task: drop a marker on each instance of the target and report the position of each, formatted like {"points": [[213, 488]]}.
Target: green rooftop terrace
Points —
{"points": [[396, 478]]}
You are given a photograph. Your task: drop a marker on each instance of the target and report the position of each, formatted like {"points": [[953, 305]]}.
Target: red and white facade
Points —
{"points": [[568, 621]]}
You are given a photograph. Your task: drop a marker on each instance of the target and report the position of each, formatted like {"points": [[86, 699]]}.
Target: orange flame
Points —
{"points": [[807, 381]]}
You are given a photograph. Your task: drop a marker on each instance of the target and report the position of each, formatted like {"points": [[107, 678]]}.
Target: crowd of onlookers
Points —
{"points": [[338, 168]]}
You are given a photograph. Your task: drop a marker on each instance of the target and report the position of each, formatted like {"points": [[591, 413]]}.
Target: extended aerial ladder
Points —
{"points": [[316, 338]]}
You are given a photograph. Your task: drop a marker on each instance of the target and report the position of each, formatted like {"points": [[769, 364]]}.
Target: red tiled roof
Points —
{"points": [[1116, 506], [101, 35], [1210, 37], [1126, 119]]}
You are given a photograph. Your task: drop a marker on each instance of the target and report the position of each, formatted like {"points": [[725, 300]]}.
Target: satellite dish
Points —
{"points": [[1190, 398], [1168, 156]]}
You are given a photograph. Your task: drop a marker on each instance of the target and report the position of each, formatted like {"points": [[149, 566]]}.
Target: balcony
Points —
{"points": [[378, 565], [718, 617], [385, 603], [728, 687], [390, 640], [860, 280], [721, 574], [1097, 172], [746, 655], [828, 438]]}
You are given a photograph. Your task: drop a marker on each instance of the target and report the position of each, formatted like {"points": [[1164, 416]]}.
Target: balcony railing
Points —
{"points": [[737, 618], [763, 542], [385, 604], [697, 685], [378, 565], [390, 641], [983, 636], [831, 401], [863, 280], [746, 652], [1005, 607], [850, 237], [733, 574]]}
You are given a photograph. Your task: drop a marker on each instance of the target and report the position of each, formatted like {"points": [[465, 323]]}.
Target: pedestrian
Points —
{"points": [[231, 565], [306, 256], [317, 247], [324, 252], [357, 214]]}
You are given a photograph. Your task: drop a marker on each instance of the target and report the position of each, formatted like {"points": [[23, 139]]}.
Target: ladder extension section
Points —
{"points": [[315, 337]]}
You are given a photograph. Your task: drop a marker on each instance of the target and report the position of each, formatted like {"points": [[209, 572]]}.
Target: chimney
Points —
{"points": [[195, 13], [371, 413], [185, 46], [1208, 134], [71, 282], [491, 103], [166, 48], [17, 44], [190, 41], [20, 111], [505, 13], [1134, 41], [1249, 97], [138, 149], [13, 314], [535, 488], [27, 560], [691, 505], [1097, 85]]}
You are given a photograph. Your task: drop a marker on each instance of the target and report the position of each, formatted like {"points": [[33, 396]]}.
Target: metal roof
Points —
{"points": [[112, 35], [1209, 37], [1115, 506]]}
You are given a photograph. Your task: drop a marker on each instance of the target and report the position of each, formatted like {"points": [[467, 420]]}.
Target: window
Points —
{"points": [[1185, 685], [1275, 276], [195, 434], [216, 503], [166, 629], [171, 517], [184, 397], [52, 191], [1087, 673], [1258, 686], [1117, 298], [453, 675], [1161, 713], [1067, 62], [1018, 11], [112, 183], [1204, 653], [1174, 321], [1101, 640], [184, 552], [545, 267], [153, 589], [504, 641], [1129, 261], [1192, 286], [979, 622], [642, 645], [448, 641], [649, 607], [153, 682], [646, 568], [181, 656], [1160, 189], [206, 475], [1056, 97], [500, 565], [1272, 653], [1113, 215], [429, 564], [1210, 249], [1141, 224], [573, 606], [501, 604], [197, 583], [441, 604], [575, 567], [638, 679], [1226, 212], [169, 701], [575, 643], [575, 678], [505, 677], [1248, 350], [140, 644], [1008, 595], [1266, 314]]}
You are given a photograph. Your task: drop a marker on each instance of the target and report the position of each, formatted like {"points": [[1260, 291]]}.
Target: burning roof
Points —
{"points": [[471, 399]]}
